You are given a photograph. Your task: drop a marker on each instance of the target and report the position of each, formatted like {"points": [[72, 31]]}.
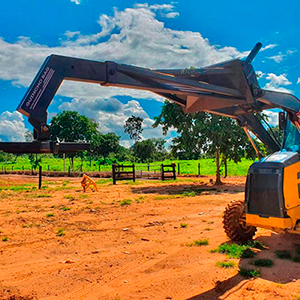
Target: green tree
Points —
{"points": [[35, 160], [104, 144], [149, 150], [189, 142], [203, 132], [70, 126], [143, 150], [133, 127], [160, 153]]}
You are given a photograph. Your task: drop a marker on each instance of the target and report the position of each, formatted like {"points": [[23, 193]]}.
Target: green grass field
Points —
{"points": [[207, 166]]}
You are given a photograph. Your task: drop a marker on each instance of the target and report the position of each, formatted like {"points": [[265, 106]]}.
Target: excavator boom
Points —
{"points": [[229, 88]]}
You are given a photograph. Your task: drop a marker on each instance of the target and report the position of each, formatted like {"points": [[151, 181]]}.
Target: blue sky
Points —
{"points": [[151, 34]]}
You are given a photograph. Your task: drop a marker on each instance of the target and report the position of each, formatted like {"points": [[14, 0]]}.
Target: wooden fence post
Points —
{"points": [[133, 171], [178, 169], [114, 173], [69, 171], [40, 177], [162, 172], [174, 170], [198, 169]]}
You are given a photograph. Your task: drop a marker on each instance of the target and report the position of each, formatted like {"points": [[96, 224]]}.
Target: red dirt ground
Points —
{"points": [[135, 251]]}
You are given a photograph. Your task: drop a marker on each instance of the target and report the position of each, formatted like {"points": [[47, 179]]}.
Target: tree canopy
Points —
{"points": [[70, 126], [202, 132], [104, 144], [133, 126], [149, 150]]}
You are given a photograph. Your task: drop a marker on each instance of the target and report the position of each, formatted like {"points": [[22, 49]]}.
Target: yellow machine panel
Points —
{"points": [[269, 223], [291, 186]]}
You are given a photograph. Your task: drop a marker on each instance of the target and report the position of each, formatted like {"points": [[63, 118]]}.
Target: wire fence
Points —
{"points": [[142, 170]]}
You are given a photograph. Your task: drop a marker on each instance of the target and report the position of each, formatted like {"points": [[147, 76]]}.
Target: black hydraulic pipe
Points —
{"points": [[253, 53]]}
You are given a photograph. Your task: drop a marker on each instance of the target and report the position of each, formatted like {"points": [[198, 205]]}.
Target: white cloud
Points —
{"points": [[270, 46], [133, 36], [276, 83], [298, 81], [260, 74], [92, 91], [272, 117], [112, 114], [76, 1], [12, 127], [278, 58], [172, 15], [126, 143]]}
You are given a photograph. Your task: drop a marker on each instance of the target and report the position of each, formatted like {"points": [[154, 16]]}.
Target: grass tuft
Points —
{"points": [[70, 197], [203, 242], [225, 264], [262, 262], [189, 194], [125, 202], [256, 244], [65, 208], [248, 253], [49, 215], [65, 182], [283, 254], [60, 232], [235, 250], [249, 273], [296, 258], [184, 225], [5, 239]]}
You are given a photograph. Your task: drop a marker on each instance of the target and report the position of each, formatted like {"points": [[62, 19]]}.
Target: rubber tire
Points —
{"points": [[234, 230]]}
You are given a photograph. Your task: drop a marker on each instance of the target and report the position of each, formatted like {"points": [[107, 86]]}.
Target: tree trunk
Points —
{"points": [[64, 158], [218, 176], [72, 163]]}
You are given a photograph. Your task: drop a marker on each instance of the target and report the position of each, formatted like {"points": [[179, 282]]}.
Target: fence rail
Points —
{"points": [[163, 172], [118, 172]]}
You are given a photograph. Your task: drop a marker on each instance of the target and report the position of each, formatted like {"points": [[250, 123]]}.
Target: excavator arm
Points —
{"points": [[229, 89]]}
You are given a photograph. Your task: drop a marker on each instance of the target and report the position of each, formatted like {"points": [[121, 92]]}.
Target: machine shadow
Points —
{"points": [[283, 271], [198, 189]]}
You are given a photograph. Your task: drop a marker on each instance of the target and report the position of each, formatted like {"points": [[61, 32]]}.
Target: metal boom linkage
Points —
{"points": [[229, 88]]}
